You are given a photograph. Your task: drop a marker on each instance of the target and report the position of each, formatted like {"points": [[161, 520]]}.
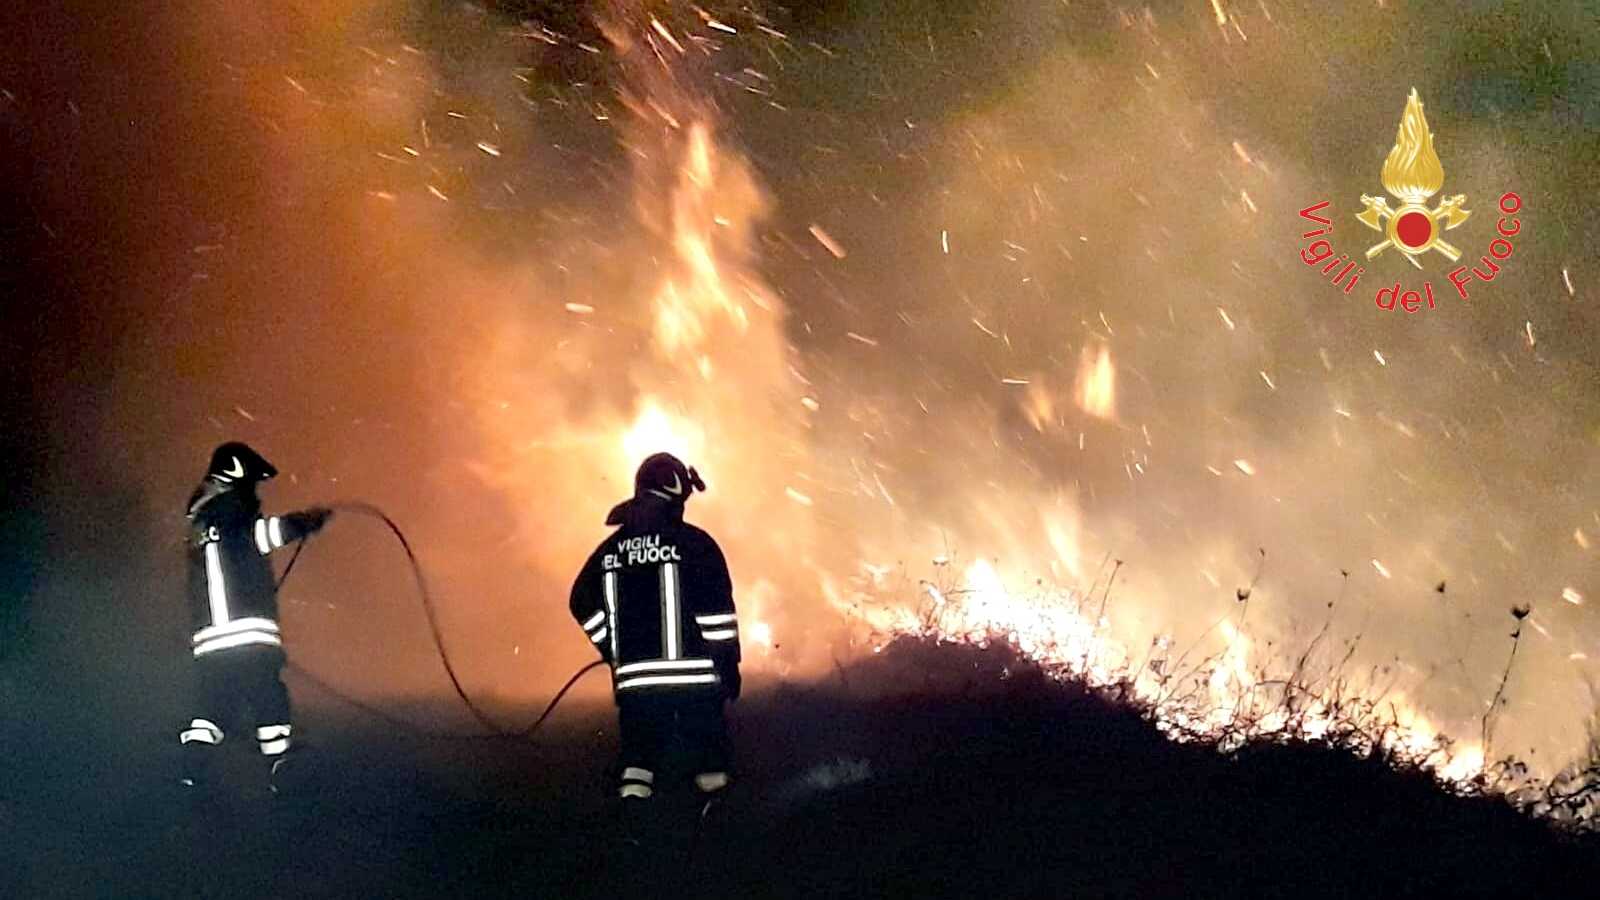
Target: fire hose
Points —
{"points": [[494, 731]]}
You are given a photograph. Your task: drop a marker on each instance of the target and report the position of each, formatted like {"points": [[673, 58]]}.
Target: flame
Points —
{"points": [[1097, 383], [1038, 407], [1237, 699], [716, 356], [655, 430], [687, 354], [1062, 534], [1413, 171], [760, 633], [685, 304]]}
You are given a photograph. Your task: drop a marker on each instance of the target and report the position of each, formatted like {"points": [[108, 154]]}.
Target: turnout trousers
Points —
{"points": [[229, 684], [651, 724]]}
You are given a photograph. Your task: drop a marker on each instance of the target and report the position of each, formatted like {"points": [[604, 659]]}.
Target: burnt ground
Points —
{"points": [[963, 774]]}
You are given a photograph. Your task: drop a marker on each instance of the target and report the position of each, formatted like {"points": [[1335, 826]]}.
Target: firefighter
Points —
{"points": [[657, 601], [237, 645]]}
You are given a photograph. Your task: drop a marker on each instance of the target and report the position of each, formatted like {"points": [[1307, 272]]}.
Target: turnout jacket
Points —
{"points": [[233, 596], [656, 599]]}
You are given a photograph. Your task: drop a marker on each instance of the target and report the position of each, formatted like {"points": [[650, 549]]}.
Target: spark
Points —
{"points": [[1222, 17], [437, 193], [944, 241], [1242, 465], [1528, 327], [1238, 148], [240, 410], [1247, 201], [1382, 570], [810, 403], [1342, 411], [1572, 596], [984, 329], [1568, 279], [826, 240], [797, 497], [1014, 381], [1581, 538], [861, 337], [488, 148], [1268, 379], [1379, 357], [883, 490], [1225, 320], [665, 34], [582, 309]]}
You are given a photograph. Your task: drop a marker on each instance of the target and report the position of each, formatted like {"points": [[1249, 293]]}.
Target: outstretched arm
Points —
{"points": [[273, 532]]}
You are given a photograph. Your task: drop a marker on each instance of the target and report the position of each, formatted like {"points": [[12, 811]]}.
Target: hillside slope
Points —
{"points": [[923, 772]]}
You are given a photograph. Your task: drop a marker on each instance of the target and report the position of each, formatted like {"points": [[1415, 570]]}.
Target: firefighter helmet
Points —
{"points": [[665, 476], [236, 463]]}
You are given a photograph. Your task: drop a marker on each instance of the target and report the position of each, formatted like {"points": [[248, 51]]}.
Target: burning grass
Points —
{"points": [[1219, 693]]}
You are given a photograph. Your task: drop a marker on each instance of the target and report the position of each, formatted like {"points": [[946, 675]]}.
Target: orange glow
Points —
{"points": [[655, 430], [1097, 383], [1241, 699], [1039, 407], [685, 304], [695, 357]]}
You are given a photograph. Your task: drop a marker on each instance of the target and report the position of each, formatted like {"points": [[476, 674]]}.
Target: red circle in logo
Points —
{"points": [[1414, 229]]}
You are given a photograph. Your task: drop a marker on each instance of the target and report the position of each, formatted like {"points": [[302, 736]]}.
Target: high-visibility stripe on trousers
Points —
{"points": [[637, 783], [274, 739]]}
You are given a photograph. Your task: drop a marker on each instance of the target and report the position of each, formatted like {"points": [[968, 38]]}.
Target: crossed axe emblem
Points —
{"points": [[1413, 229]]}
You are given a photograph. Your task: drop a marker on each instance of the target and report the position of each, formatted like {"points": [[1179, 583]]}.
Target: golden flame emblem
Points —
{"points": [[1413, 174]]}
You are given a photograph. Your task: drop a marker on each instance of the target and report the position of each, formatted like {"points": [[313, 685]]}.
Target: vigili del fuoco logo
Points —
{"points": [[1412, 174]]}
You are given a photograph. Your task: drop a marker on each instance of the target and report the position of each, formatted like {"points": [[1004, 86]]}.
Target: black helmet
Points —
{"points": [[665, 476], [235, 463]]}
